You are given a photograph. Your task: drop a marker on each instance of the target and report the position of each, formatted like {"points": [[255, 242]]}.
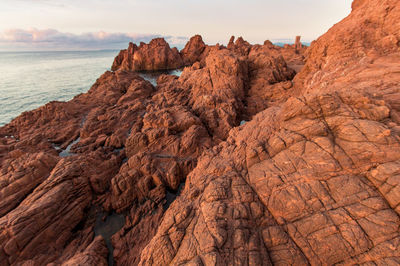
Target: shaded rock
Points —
{"points": [[269, 78], [94, 254], [20, 176], [48, 215], [130, 241], [217, 91]]}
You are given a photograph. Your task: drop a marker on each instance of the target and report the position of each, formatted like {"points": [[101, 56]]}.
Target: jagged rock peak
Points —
{"points": [[193, 50], [157, 55]]}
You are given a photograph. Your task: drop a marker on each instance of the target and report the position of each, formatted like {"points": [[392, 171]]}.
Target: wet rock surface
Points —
{"points": [[238, 160]]}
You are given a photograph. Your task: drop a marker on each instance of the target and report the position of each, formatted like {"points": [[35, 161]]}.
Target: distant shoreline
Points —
{"points": [[179, 47]]}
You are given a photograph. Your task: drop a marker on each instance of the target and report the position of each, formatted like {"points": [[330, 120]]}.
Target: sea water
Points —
{"points": [[31, 79]]}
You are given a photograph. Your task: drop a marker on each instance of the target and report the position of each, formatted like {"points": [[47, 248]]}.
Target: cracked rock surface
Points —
{"points": [[254, 155]]}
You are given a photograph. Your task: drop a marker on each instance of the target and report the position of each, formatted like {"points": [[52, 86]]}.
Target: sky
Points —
{"points": [[111, 24]]}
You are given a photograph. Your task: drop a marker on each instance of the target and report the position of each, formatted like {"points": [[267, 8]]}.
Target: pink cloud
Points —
{"points": [[52, 39]]}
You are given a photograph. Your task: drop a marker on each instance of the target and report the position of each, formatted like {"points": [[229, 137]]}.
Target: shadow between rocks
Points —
{"points": [[107, 225]]}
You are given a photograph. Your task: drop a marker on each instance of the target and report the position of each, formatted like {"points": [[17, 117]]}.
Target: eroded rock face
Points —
{"points": [[93, 255], [126, 147], [239, 46], [302, 183], [313, 179], [21, 174], [48, 215], [233, 162], [270, 78], [157, 55], [356, 55], [193, 50], [217, 90]]}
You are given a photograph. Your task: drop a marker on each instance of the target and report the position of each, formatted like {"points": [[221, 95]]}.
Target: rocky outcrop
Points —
{"points": [[312, 180], [239, 46], [238, 161], [303, 183], [47, 215], [94, 254], [193, 50], [50, 200], [21, 174], [350, 54], [126, 147], [297, 43], [362, 58], [157, 55], [217, 91], [269, 78]]}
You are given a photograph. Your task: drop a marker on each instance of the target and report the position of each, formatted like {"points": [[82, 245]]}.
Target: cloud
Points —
{"points": [[51, 39]]}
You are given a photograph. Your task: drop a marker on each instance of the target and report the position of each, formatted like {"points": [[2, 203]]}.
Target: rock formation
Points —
{"points": [[238, 161], [157, 55], [314, 180], [193, 50], [297, 44]]}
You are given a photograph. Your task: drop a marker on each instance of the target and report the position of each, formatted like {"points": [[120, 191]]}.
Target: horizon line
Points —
{"points": [[277, 42]]}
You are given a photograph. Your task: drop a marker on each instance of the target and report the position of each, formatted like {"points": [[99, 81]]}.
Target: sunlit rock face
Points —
{"points": [[194, 50], [236, 160], [157, 55]]}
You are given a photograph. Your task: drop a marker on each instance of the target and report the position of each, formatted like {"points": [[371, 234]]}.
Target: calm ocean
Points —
{"points": [[31, 79]]}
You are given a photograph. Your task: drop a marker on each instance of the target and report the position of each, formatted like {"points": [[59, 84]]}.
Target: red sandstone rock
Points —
{"points": [[44, 220], [160, 133], [157, 55], [313, 178], [297, 44], [193, 50], [20, 175], [94, 254], [217, 91], [269, 78], [365, 58], [240, 46], [288, 188], [349, 53]]}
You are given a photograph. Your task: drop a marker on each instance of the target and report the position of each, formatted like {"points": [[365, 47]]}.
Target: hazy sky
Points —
{"points": [[35, 23]]}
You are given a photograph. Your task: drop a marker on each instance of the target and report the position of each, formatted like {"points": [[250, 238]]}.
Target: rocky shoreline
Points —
{"points": [[254, 155]]}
